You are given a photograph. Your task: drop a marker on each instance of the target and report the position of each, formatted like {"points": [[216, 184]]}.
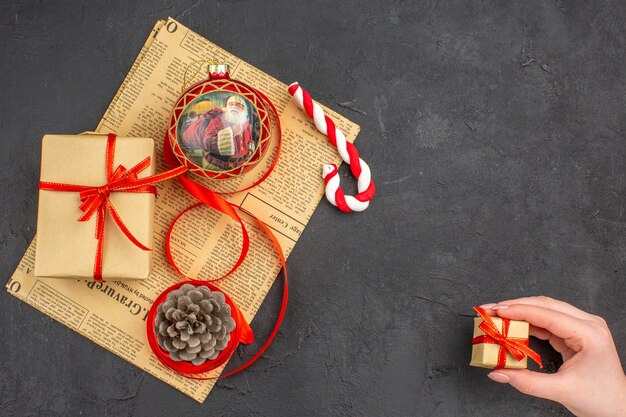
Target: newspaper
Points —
{"points": [[205, 244]]}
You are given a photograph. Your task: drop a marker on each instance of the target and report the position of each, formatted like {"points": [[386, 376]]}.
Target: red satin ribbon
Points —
{"points": [[95, 200], [517, 347], [214, 200], [246, 336]]}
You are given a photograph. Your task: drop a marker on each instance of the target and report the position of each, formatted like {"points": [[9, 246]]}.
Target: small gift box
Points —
{"points": [[500, 343], [96, 206]]}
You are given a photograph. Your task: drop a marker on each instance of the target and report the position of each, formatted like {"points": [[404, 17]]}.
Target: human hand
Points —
{"points": [[591, 381]]}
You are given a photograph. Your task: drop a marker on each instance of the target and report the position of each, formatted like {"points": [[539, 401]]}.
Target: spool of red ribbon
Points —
{"points": [[241, 334]]}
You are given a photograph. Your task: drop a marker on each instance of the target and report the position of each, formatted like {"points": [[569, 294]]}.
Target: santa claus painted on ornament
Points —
{"points": [[223, 134]]}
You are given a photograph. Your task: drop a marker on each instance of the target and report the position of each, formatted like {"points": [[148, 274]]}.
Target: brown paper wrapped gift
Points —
{"points": [[485, 355], [66, 247]]}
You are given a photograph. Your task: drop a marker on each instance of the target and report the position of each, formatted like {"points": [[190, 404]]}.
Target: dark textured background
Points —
{"points": [[495, 133]]}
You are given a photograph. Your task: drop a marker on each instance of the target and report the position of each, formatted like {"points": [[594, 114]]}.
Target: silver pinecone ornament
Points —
{"points": [[194, 324]]}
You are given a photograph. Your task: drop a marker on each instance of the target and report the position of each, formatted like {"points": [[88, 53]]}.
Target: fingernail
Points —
{"points": [[498, 377], [499, 307], [488, 306]]}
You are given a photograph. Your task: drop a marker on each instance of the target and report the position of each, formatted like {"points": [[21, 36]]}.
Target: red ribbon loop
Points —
{"points": [[95, 200], [517, 347]]}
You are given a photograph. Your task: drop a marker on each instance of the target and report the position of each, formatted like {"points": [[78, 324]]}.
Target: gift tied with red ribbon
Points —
{"points": [[517, 347], [95, 200]]}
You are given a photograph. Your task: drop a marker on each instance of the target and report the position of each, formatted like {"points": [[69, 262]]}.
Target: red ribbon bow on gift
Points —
{"points": [[516, 346], [95, 200]]}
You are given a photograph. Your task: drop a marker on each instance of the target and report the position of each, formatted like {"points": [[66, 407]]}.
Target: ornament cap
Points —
{"points": [[219, 70]]}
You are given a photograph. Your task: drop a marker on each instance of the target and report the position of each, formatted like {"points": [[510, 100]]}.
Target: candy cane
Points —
{"points": [[348, 153]]}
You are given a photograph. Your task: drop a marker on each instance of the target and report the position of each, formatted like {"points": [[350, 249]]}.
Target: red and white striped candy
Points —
{"points": [[348, 153]]}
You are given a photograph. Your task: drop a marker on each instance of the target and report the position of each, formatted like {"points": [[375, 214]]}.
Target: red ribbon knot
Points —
{"points": [[95, 200], [516, 346]]}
